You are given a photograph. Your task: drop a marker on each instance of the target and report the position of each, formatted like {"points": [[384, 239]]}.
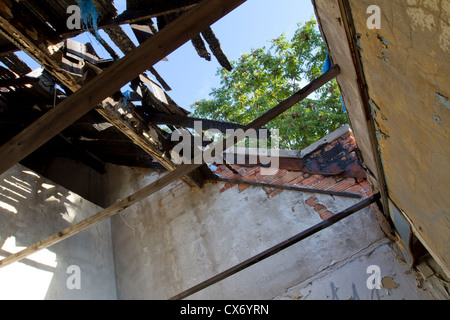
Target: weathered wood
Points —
{"points": [[78, 49], [279, 247], [148, 139], [200, 47], [124, 43], [9, 30], [118, 75], [189, 122], [179, 172], [216, 49], [18, 81], [15, 64]]}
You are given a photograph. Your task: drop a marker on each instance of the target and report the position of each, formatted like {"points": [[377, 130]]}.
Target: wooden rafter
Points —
{"points": [[170, 177], [149, 145], [108, 82]]}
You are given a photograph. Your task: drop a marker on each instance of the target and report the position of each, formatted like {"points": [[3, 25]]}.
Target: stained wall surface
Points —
{"points": [[180, 237], [404, 62], [407, 69], [33, 208]]}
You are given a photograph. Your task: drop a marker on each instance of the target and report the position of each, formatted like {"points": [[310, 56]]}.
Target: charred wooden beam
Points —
{"points": [[108, 82], [13, 28], [138, 10], [189, 122], [179, 172], [124, 43], [200, 47], [216, 49], [18, 81], [150, 139], [15, 64]]}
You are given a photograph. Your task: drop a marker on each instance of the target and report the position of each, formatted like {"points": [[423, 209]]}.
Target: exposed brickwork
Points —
{"points": [[321, 209], [346, 150]]}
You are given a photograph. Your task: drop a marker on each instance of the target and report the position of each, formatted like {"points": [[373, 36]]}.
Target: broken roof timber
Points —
{"points": [[118, 75], [172, 176], [36, 49]]}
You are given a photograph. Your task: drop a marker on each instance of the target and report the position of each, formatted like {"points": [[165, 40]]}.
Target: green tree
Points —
{"points": [[264, 77]]}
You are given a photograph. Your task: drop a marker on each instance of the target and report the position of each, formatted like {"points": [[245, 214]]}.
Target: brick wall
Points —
{"points": [[332, 157]]}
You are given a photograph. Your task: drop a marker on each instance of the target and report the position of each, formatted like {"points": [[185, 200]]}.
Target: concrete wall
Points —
{"points": [[179, 237], [33, 208]]}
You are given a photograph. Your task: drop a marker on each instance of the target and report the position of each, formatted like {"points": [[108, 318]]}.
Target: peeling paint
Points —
{"points": [[384, 48], [443, 100], [438, 119], [420, 20], [388, 283]]}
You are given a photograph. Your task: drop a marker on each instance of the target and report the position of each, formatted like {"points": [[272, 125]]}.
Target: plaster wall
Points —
{"points": [[33, 208], [179, 237]]}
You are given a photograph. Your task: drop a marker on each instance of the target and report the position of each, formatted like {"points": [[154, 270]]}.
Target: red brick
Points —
{"points": [[311, 201], [226, 173], [356, 188], [308, 180], [343, 185], [280, 173], [279, 182], [274, 193], [251, 172], [319, 207], [290, 176], [251, 178], [326, 183], [297, 181], [325, 214], [227, 186], [243, 187], [270, 179]]}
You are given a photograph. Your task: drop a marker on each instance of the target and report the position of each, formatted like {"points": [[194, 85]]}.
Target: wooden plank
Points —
{"points": [[124, 43], [279, 247], [216, 49], [295, 98], [147, 140], [194, 180], [179, 172], [188, 122], [114, 78]]}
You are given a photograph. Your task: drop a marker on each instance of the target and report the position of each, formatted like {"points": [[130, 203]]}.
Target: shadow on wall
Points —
{"points": [[31, 209]]}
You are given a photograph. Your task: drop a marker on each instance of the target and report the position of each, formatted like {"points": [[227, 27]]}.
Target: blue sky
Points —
{"points": [[249, 26]]}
